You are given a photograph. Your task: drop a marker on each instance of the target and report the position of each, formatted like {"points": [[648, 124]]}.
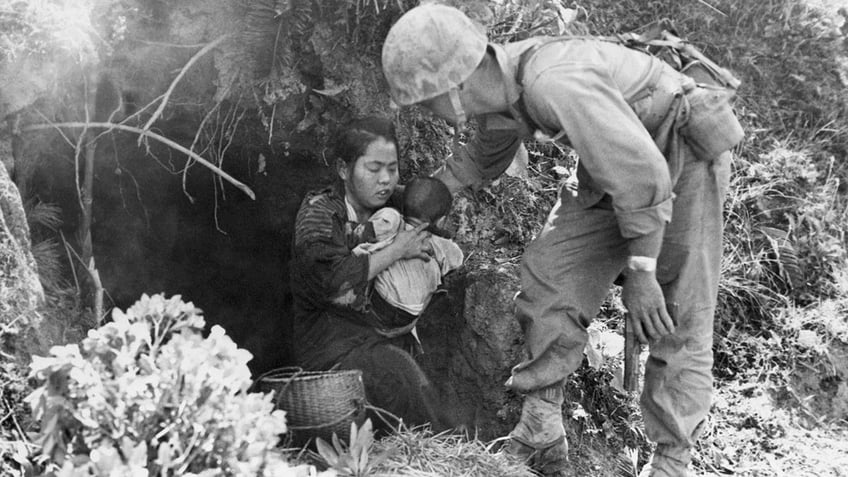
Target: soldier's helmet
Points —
{"points": [[431, 49]]}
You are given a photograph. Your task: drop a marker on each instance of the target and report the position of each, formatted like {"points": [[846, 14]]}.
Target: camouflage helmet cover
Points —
{"points": [[431, 49]]}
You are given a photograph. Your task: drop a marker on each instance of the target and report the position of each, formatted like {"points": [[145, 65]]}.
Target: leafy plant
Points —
{"points": [[521, 19], [147, 394], [14, 443], [44, 220], [354, 460]]}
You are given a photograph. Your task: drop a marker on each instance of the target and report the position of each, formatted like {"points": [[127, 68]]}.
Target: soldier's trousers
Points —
{"points": [[568, 271]]}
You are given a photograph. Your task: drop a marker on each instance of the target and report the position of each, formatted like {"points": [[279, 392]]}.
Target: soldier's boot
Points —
{"points": [[668, 461], [549, 460]]}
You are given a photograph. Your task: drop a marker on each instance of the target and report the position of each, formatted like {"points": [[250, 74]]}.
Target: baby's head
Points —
{"points": [[426, 199]]}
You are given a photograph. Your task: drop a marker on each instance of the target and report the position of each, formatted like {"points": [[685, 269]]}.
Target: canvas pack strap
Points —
{"points": [[660, 35], [519, 108]]}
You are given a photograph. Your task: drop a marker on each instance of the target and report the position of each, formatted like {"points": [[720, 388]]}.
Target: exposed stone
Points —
{"points": [[21, 292], [471, 348]]}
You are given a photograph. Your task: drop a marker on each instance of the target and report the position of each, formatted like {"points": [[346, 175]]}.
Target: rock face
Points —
{"points": [[470, 347], [21, 292]]}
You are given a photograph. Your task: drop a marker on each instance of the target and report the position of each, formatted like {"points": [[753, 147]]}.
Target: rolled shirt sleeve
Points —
{"points": [[486, 156]]}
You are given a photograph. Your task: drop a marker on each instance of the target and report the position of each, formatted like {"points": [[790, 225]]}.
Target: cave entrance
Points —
{"points": [[155, 232], [206, 241]]}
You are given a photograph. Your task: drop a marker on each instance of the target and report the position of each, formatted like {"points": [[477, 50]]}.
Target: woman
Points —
{"points": [[333, 323]]}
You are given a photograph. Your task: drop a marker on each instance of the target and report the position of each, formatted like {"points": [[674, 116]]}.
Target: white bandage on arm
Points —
{"points": [[641, 264]]}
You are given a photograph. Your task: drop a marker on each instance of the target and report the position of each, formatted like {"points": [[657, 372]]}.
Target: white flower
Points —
{"points": [[188, 396]]}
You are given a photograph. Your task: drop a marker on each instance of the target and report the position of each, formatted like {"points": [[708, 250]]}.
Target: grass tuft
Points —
{"points": [[420, 453]]}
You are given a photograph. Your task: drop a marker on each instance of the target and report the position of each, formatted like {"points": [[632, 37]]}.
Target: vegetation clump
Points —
{"points": [[148, 394]]}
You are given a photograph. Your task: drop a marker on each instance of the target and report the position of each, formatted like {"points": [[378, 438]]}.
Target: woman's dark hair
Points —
{"points": [[427, 199], [355, 137]]}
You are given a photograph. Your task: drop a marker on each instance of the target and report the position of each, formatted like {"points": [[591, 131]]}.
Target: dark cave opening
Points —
{"points": [[229, 255], [221, 250]]}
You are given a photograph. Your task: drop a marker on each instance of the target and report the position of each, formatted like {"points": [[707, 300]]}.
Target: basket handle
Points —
{"points": [[286, 386], [297, 372]]}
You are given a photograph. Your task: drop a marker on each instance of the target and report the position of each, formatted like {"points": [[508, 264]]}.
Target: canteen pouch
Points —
{"points": [[712, 127]]}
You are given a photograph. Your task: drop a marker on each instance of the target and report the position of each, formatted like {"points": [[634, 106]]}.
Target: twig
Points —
{"points": [[174, 83], [15, 422], [193, 143], [230, 126], [6, 416], [187, 456], [632, 350], [71, 262], [140, 111], [381, 413], [203, 122], [98, 291], [271, 124], [8, 326], [702, 2], [135, 182], [95, 278], [239, 185], [15, 442], [491, 445], [77, 256], [61, 133]]}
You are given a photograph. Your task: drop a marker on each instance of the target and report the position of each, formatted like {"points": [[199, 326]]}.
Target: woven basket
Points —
{"points": [[317, 403]]}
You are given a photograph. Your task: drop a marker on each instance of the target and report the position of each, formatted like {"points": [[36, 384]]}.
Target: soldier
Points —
{"points": [[647, 204]]}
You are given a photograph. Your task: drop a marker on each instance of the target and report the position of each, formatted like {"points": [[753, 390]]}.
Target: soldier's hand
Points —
{"points": [[646, 309]]}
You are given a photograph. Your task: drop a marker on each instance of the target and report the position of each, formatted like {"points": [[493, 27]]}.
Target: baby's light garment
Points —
{"points": [[409, 284], [387, 223]]}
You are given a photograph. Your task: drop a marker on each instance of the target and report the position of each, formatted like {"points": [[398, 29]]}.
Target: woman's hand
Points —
{"points": [[414, 243]]}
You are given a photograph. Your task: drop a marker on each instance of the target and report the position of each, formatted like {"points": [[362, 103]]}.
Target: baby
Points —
{"points": [[408, 285]]}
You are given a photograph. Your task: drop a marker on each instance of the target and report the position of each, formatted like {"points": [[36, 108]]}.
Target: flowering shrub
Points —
{"points": [[147, 394]]}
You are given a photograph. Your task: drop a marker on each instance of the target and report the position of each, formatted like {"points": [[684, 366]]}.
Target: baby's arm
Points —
{"points": [[447, 253]]}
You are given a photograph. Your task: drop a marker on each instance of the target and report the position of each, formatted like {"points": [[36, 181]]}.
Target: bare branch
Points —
{"points": [[185, 68], [61, 133], [193, 143], [152, 135], [81, 142]]}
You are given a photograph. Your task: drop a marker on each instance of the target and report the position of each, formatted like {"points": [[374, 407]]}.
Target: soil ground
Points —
{"points": [[750, 436]]}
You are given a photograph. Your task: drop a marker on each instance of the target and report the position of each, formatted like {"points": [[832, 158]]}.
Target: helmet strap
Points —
{"points": [[453, 94]]}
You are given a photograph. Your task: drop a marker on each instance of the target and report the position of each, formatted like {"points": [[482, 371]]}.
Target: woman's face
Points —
{"points": [[371, 179]]}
